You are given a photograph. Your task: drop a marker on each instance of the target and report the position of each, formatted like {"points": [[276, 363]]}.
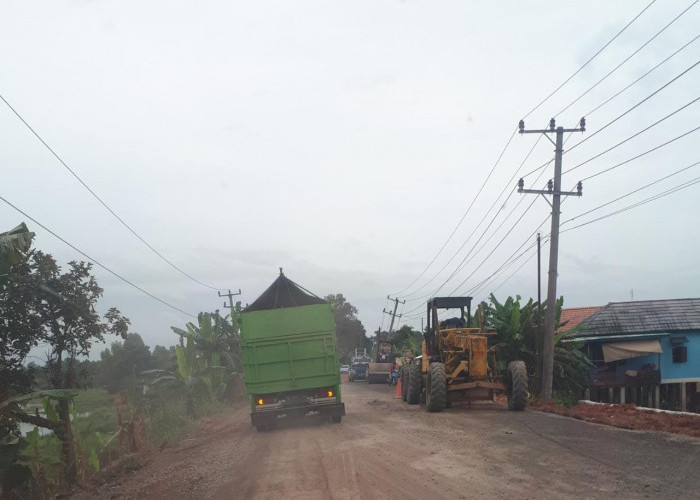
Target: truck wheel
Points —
{"points": [[414, 385], [336, 420], [516, 384], [436, 389], [404, 385]]}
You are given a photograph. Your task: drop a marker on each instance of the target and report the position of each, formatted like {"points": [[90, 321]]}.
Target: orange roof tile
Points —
{"points": [[574, 315]]}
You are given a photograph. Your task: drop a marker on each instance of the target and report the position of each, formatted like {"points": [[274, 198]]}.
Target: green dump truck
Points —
{"points": [[289, 356]]}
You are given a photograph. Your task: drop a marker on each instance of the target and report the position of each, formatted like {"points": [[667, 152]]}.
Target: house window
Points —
{"points": [[680, 354]]}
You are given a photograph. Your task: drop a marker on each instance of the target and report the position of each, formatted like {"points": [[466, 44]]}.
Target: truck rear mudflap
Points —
{"points": [[270, 417]]}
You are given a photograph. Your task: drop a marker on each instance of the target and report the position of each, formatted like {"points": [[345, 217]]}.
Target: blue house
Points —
{"points": [[645, 352]]}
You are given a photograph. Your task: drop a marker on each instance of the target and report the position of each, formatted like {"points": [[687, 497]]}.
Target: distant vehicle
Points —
{"points": [[344, 368], [358, 371], [380, 367]]}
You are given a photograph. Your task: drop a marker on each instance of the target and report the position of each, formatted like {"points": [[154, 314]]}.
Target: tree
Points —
{"points": [[14, 244], [163, 358], [207, 358], [59, 309], [350, 334], [406, 338], [516, 328], [122, 362]]}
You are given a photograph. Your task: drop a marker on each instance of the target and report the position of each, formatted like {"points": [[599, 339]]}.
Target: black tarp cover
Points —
{"points": [[284, 293]]}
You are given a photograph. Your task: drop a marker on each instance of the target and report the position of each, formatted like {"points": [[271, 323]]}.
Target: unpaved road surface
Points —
{"points": [[387, 449]]}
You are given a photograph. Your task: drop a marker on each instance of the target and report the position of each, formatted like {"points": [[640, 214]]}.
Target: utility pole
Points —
{"points": [[538, 352], [230, 298], [553, 189], [393, 314]]}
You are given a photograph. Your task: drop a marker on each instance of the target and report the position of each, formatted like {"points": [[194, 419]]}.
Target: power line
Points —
{"points": [[463, 217], [641, 77], [479, 292], [96, 261], [641, 154], [634, 135], [627, 58], [589, 61], [497, 202], [635, 106], [100, 199], [619, 116], [463, 263], [633, 192], [511, 138], [658, 196]]}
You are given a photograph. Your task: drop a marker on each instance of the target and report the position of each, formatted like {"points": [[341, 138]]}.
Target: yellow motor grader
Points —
{"points": [[457, 364]]}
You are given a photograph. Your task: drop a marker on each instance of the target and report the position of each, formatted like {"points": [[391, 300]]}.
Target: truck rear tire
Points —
{"points": [[415, 383], [516, 383], [436, 388], [336, 420]]}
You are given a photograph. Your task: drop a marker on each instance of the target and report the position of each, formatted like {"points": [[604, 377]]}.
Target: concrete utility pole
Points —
{"points": [[538, 351], [393, 314], [230, 298], [553, 189]]}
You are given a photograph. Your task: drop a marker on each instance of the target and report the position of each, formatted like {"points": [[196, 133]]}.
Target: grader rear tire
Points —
{"points": [[404, 384], [415, 383], [436, 389], [516, 380]]}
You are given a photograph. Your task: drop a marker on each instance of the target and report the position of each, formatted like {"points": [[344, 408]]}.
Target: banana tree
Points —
{"points": [[516, 328], [13, 245]]}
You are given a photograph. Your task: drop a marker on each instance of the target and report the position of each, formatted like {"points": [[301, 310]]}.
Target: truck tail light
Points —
{"points": [[330, 393], [260, 401]]}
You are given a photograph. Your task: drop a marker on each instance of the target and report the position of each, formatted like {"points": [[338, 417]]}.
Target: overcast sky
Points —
{"points": [[344, 141]]}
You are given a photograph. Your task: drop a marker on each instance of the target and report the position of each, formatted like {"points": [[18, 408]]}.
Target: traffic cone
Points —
{"points": [[398, 389]]}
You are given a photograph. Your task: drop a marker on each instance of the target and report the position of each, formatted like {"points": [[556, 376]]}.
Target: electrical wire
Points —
{"points": [[588, 137], [628, 58], [633, 192], [634, 135], [114, 273], [498, 160], [641, 154], [589, 61], [514, 132], [493, 205], [641, 77], [102, 202], [655, 197], [618, 117]]}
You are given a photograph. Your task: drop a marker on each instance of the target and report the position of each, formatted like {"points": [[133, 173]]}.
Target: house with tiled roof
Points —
{"points": [[646, 352], [573, 316]]}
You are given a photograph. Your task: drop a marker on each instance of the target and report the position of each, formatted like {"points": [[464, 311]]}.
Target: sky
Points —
{"points": [[344, 142]]}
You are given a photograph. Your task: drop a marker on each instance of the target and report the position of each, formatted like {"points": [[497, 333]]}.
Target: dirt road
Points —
{"points": [[386, 449]]}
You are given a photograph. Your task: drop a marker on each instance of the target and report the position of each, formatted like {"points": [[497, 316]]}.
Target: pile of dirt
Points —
{"points": [[626, 416]]}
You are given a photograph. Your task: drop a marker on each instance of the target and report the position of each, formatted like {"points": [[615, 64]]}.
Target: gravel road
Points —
{"points": [[387, 449]]}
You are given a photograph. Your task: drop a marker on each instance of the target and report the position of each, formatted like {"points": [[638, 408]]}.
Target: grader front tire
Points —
{"points": [[517, 385], [436, 390], [414, 385]]}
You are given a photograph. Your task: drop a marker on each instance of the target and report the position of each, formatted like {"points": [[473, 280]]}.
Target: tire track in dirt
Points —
{"points": [[386, 449]]}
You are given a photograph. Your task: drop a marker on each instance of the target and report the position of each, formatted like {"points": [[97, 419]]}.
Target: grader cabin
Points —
{"points": [[645, 352]]}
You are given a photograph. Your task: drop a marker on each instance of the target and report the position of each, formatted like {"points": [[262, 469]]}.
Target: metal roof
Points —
{"points": [[647, 316]]}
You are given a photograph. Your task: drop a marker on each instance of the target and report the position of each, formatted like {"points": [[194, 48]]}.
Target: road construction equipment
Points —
{"points": [[457, 364], [380, 369]]}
